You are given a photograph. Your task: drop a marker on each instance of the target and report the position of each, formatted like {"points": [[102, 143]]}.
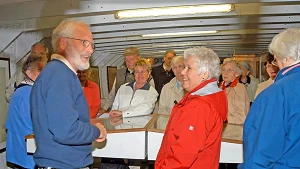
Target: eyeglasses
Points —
{"points": [[228, 70], [85, 43], [274, 62], [270, 65], [140, 72], [180, 67]]}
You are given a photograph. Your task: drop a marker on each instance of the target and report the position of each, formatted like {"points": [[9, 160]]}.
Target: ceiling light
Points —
{"points": [[179, 33], [183, 10]]}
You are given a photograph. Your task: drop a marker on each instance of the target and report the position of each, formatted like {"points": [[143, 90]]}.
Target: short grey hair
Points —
{"points": [[246, 65], [286, 44], [235, 63], [30, 63], [64, 29], [40, 44], [177, 59], [207, 60]]}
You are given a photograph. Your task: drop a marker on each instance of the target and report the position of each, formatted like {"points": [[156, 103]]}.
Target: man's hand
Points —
{"points": [[103, 132], [115, 113], [116, 120]]}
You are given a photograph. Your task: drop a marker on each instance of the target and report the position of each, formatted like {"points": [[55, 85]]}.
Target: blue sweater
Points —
{"points": [[18, 126], [60, 117], [271, 130]]}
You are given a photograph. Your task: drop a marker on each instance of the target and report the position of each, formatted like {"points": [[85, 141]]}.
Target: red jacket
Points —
{"points": [[193, 135], [92, 94]]}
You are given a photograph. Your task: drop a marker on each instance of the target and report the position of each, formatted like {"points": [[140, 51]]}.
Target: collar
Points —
{"points": [[165, 67], [248, 81], [210, 88], [286, 71], [231, 84], [194, 91], [64, 60], [145, 87], [27, 81], [128, 71], [178, 84]]}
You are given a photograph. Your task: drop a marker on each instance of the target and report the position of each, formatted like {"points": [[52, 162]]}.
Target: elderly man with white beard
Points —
{"points": [[60, 113]]}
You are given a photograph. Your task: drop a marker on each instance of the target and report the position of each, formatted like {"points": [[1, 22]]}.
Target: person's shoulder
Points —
{"points": [[92, 84], [254, 78], [58, 66], [125, 85], [121, 70], [255, 82], [169, 85], [152, 89], [172, 81], [240, 86], [157, 68], [25, 88], [57, 69], [262, 84], [21, 92]]}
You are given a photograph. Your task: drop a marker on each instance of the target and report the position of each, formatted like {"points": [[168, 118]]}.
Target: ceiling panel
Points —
{"points": [[247, 30]]}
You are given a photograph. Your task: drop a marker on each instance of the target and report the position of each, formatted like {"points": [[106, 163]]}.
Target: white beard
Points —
{"points": [[75, 56]]}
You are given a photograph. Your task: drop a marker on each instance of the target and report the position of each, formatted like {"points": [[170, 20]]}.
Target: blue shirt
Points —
{"points": [[19, 125]]}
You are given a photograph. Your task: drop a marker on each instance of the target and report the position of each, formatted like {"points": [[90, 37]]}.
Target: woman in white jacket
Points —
{"points": [[138, 97]]}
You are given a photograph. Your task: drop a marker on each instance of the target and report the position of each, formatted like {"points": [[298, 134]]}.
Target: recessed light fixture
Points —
{"points": [[167, 11], [178, 33]]}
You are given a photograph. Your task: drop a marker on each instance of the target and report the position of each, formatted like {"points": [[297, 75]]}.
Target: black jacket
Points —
{"points": [[161, 77]]}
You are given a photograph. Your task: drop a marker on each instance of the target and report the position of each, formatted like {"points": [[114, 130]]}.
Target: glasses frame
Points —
{"points": [[85, 43], [227, 70], [274, 62], [142, 72], [180, 67]]}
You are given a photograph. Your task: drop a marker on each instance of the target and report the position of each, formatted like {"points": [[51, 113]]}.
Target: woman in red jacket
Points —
{"points": [[193, 135]]}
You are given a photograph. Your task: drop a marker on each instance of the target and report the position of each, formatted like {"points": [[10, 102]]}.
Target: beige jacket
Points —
{"points": [[262, 86], [252, 87], [238, 104], [168, 95]]}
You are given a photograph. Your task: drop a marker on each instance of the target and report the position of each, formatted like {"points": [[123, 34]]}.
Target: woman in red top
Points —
{"points": [[193, 135]]}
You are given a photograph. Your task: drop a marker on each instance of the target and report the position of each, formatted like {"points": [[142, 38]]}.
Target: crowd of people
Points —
{"points": [[56, 101]]}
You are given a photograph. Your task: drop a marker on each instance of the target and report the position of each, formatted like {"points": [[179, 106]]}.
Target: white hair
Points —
{"points": [[207, 60], [286, 44], [177, 59], [235, 63], [64, 29], [246, 65]]}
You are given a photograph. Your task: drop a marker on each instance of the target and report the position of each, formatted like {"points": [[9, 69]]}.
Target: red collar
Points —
{"points": [[231, 84], [187, 96]]}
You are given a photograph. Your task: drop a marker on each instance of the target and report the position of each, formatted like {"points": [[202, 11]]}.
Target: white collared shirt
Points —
{"points": [[64, 60]]}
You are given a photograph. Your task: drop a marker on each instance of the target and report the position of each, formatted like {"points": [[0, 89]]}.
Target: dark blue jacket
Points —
{"points": [[272, 127], [60, 117]]}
